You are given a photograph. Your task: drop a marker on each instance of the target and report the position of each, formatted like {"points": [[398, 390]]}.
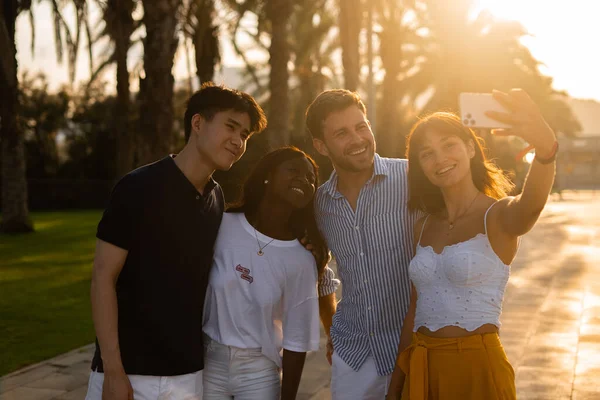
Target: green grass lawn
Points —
{"points": [[44, 288]]}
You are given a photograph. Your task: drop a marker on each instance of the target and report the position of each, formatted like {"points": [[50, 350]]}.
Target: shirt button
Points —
{"points": [[356, 227], [362, 254], [369, 308], [365, 281], [372, 334], [198, 197]]}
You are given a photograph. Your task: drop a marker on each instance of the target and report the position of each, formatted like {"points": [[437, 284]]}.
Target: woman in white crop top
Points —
{"points": [[262, 294], [449, 348]]}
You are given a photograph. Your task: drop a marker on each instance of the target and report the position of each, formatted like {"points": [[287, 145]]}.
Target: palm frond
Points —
{"points": [[101, 67], [88, 33], [57, 32], [249, 67], [32, 26]]}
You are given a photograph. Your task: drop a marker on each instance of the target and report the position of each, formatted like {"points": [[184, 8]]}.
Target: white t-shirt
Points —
{"points": [[267, 301]]}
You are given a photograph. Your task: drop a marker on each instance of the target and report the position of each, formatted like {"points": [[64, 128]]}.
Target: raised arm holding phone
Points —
{"points": [[463, 250]]}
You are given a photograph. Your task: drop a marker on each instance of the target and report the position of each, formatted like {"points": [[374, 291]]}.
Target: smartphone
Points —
{"points": [[473, 107]]}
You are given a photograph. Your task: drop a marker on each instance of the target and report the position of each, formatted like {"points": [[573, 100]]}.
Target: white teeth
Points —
{"points": [[445, 170], [298, 190], [358, 151]]}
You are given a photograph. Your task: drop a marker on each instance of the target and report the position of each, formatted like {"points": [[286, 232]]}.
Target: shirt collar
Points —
{"points": [[380, 169], [208, 188]]}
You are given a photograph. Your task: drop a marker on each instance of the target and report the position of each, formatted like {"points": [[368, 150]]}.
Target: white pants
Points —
{"points": [[181, 387], [245, 374], [364, 384]]}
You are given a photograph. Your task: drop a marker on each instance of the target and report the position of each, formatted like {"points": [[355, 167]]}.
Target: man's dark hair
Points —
{"points": [[328, 102], [212, 99]]}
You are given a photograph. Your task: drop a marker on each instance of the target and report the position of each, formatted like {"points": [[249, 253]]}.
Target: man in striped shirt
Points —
{"points": [[362, 212]]}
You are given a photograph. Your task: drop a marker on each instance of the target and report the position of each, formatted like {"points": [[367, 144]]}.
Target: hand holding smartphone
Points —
{"points": [[473, 107], [509, 114]]}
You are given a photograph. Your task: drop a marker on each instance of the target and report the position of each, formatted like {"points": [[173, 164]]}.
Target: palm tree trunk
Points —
{"points": [[350, 21], [206, 42], [123, 130], [392, 141], [308, 84], [279, 12], [156, 112], [15, 211]]}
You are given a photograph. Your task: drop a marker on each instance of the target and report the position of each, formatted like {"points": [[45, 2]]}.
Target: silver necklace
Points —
{"points": [[451, 223], [260, 248]]}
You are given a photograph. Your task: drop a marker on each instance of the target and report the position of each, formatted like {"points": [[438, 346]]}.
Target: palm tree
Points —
{"points": [[119, 26], [274, 17], [465, 54], [442, 52], [312, 45], [15, 210], [397, 38], [278, 15], [350, 22], [255, 81], [156, 88], [200, 28]]}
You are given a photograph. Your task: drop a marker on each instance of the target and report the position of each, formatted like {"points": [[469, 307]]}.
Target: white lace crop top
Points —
{"points": [[462, 286]]}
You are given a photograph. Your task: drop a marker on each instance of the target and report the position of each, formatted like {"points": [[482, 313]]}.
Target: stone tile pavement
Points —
{"points": [[551, 320]]}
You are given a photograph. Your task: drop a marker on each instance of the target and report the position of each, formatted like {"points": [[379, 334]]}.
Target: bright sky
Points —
{"points": [[565, 37]]}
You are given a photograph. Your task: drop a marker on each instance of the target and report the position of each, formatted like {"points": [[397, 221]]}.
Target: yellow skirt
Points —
{"points": [[469, 368]]}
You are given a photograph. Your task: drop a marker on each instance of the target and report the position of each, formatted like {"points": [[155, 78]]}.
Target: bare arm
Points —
{"points": [[518, 215], [328, 284], [327, 307], [108, 263], [398, 376], [293, 364]]}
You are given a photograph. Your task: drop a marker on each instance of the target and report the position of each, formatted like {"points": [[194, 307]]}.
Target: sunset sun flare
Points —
{"points": [[561, 33]]}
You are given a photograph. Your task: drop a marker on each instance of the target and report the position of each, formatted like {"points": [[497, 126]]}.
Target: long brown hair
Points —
{"points": [[424, 195], [303, 221]]}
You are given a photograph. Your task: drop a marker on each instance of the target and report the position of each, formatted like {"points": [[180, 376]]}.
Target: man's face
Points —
{"points": [[222, 140], [347, 140]]}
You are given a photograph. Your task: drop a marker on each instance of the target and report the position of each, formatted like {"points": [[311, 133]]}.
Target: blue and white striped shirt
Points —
{"points": [[372, 247]]}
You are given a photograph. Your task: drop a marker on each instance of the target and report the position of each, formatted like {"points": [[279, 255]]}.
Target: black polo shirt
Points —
{"points": [[169, 230]]}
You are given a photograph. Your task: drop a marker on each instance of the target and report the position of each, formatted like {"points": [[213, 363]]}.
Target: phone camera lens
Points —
{"points": [[468, 116], [466, 121], [473, 122]]}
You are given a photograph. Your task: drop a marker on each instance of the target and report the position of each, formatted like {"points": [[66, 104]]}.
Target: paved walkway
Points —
{"points": [[551, 321]]}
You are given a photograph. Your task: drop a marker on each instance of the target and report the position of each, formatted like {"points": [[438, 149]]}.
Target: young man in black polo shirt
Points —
{"points": [[154, 252]]}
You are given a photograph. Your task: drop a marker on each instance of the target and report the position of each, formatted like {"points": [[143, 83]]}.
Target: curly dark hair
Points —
{"points": [[302, 222]]}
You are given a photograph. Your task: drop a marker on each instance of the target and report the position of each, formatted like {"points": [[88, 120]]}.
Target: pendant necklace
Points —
{"points": [[260, 248], [451, 223]]}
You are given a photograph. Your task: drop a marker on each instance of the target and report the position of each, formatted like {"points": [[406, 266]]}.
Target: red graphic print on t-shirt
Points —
{"points": [[245, 273]]}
